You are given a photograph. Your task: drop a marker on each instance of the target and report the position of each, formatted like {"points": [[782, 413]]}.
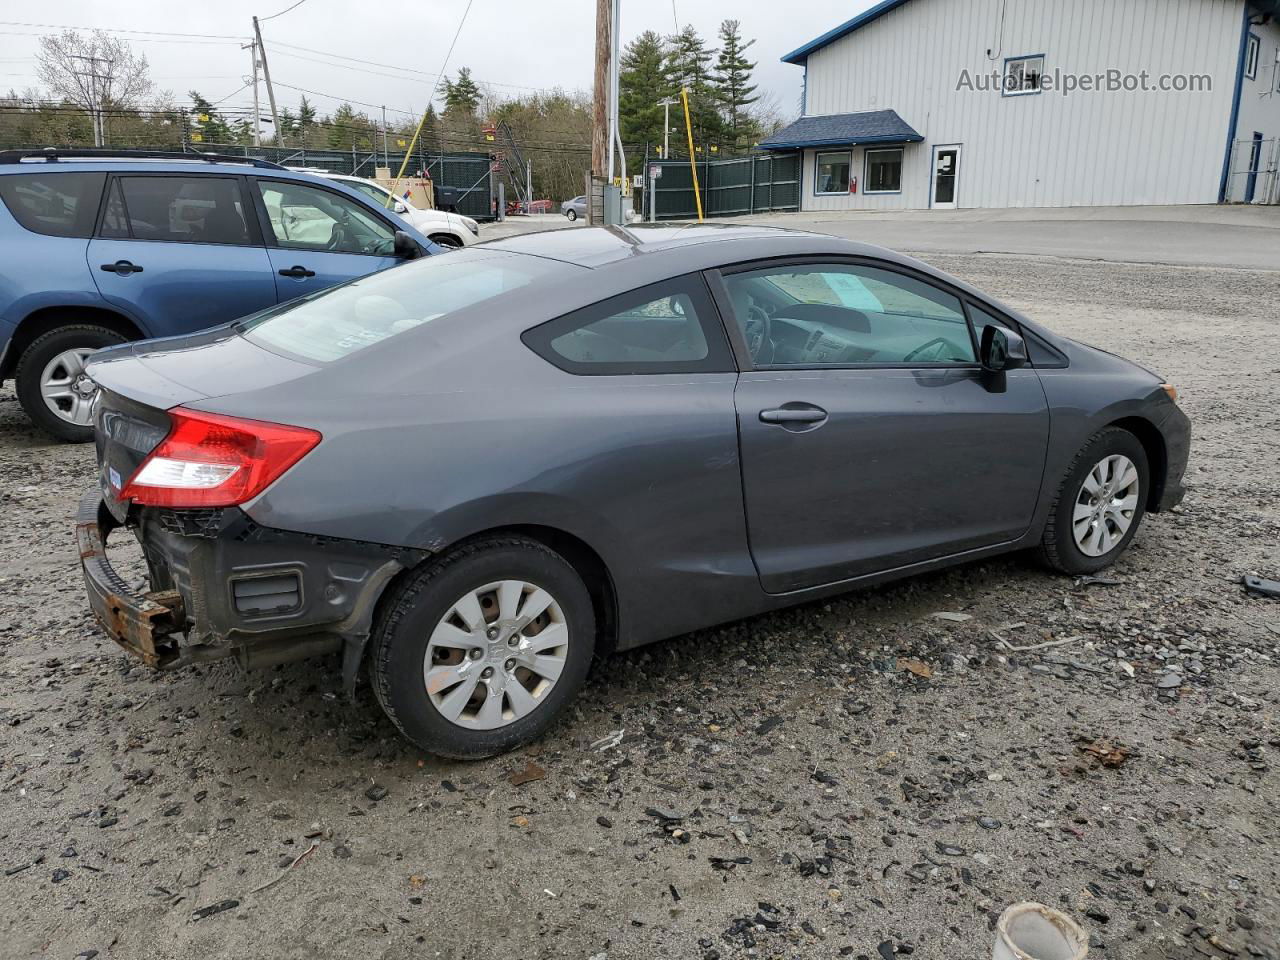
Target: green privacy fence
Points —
{"points": [[755, 184]]}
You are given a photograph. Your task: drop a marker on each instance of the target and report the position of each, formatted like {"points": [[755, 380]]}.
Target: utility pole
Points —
{"points": [[252, 47], [666, 103], [96, 99], [266, 75], [385, 161], [600, 92]]}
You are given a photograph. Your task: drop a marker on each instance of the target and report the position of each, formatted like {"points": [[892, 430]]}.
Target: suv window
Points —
{"points": [[668, 327], [304, 217], [55, 204], [811, 315], [182, 209]]}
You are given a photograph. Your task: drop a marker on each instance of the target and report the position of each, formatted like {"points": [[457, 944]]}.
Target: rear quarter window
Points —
{"points": [[337, 323], [54, 204]]}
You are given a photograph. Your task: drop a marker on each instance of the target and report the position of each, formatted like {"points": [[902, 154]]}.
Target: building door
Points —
{"points": [[946, 172], [1255, 158]]}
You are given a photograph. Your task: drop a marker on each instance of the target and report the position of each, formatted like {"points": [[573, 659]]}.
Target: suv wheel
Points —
{"points": [[478, 652], [52, 385], [1099, 505], [446, 240]]}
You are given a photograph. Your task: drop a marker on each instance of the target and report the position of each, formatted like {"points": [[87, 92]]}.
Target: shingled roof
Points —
{"points": [[871, 126]]}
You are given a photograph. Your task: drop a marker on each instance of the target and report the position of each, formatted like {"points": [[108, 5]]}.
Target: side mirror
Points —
{"points": [[405, 247], [401, 208], [1001, 350]]}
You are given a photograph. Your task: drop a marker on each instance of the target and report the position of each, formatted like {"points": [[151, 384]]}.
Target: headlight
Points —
{"points": [[471, 225]]}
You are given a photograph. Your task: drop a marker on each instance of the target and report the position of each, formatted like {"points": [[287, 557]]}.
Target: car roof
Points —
{"points": [[595, 247], [126, 164]]}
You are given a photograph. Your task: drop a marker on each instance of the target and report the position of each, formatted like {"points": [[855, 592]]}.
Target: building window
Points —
{"points": [[831, 173], [1022, 75], [884, 171], [1251, 58]]}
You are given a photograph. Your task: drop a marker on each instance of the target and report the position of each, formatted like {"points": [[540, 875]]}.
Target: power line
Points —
{"points": [[154, 33], [282, 12]]}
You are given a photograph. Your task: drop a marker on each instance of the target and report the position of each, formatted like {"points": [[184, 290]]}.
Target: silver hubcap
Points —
{"points": [[67, 389], [1105, 505], [495, 655]]}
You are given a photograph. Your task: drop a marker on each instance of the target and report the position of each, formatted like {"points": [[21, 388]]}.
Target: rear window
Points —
{"points": [[340, 321], [55, 204]]}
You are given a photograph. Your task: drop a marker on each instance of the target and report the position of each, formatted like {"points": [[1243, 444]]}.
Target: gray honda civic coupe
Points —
{"points": [[471, 474]]}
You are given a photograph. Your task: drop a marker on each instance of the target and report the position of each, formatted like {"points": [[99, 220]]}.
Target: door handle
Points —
{"points": [[297, 271], [784, 415], [121, 267]]}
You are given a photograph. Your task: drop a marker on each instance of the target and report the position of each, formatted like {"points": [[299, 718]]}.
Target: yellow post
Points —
{"points": [[693, 164], [395, 184]]}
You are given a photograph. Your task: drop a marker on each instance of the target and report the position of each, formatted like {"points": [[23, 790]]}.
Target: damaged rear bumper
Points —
{"points": [[222, 586]]}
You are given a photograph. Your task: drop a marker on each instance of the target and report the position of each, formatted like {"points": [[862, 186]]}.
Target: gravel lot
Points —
{"points": [[850, 778]]}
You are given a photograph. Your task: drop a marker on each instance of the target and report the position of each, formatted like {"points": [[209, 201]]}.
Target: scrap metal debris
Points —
{"points": [[919, 668], [284, 873], [1106, 752], [530, 773]]}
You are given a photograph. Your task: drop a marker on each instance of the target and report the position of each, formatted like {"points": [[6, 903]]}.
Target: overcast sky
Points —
{"points": [[514, 46]]}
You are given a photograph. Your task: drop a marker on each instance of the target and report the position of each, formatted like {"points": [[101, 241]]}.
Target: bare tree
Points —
{"points": [[95, 71]]}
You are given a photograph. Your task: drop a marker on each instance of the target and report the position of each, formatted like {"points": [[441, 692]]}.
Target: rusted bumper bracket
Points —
{"points": [[140, 624]]}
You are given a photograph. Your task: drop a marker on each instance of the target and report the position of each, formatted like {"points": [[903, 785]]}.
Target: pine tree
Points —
{"points": [[206, 121], [689, 65], [734, 88], [462, 95], [642, 82]]}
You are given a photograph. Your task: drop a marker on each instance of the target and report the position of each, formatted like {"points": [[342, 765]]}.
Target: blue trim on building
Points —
{"points": [[839, 142], [1225, 183], [800, 54], [1005, 72]]}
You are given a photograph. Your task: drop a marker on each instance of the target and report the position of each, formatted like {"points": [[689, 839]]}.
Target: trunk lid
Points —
{"points": [[139, 382]]}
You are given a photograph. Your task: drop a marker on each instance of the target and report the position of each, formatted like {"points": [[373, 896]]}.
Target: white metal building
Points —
{"points": [[965, 103]]}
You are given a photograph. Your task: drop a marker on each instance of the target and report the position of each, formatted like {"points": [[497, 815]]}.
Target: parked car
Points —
{"points": [[103, 247], [473, 473], [575, 208], [446, 229]]}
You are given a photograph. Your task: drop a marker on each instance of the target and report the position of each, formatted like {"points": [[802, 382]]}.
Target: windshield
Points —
{"points": [[355, 315]]}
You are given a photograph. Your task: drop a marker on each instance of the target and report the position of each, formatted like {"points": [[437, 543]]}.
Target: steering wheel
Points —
{"points": [[757, 331], [935, 342]]}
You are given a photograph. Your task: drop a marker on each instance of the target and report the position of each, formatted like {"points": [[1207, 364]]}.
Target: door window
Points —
{"points": [[182, 209], [668, 327], [57, 204], [813, 315], [303, 217]]}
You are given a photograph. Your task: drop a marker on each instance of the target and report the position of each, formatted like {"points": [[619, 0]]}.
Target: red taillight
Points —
{"points": [[209, 460]]}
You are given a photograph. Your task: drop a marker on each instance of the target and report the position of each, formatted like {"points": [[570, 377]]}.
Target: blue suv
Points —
{"points": [[100, 248]]}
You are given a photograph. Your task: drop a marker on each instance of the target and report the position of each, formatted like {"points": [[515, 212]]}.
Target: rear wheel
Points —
{"points": [[1100, 504], [51, 383], [481, 650], [446, 240]]}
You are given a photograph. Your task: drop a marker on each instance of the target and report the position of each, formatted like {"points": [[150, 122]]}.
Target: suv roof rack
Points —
{"points": [[53, 154]]}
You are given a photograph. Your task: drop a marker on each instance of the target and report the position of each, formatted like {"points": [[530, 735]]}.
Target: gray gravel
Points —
{"points": [[849, 778]]}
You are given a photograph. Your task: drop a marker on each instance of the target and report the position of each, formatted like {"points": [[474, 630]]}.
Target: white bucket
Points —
{"points": [[1032, 931]]}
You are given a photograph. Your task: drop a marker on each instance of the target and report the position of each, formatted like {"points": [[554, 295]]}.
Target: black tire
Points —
{"points": [[398, 647], [446, 240], [1058, 547], [571, 214], [31, 366]]}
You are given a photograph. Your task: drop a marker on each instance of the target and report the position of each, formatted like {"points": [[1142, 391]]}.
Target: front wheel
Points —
{"points": [[446, 240], [1100, 504], [478, 652], [572, 215], [51, 383]]}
